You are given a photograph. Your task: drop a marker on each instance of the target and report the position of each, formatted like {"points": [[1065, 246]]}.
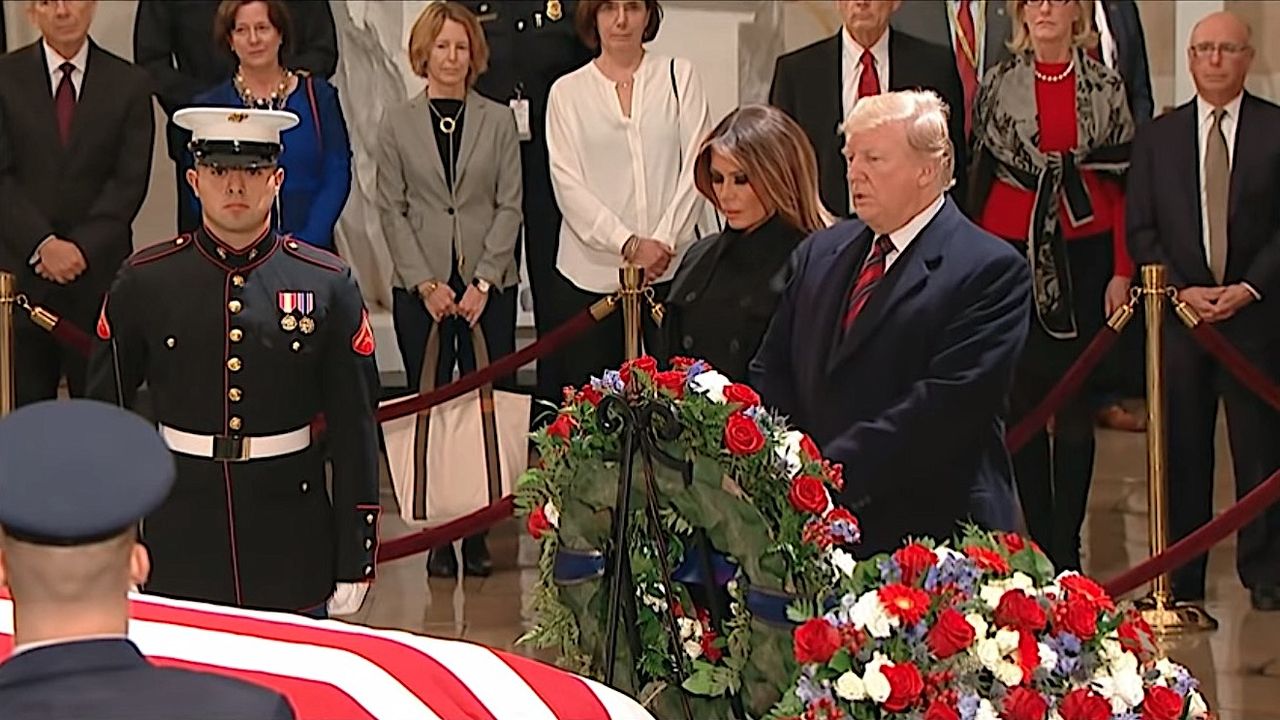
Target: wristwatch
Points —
{"points": [[481, 284]]}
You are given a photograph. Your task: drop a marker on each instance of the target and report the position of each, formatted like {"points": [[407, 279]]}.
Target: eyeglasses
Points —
{"points": [[1052, 3], [1206, 49]]}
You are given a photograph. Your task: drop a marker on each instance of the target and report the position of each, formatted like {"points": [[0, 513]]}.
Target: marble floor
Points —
{"points": [[1238, 664]]}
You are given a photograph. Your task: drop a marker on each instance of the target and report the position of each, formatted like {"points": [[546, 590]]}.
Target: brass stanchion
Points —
{"points": [[8, 298], [632, 279], [1165, 615]]}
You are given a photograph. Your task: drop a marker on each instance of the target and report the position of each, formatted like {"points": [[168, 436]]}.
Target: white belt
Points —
{"points": [[236, 448]]}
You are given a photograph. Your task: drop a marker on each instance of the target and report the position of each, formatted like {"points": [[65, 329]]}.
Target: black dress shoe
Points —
{"points": [[1265, 598], [442, 563], [475, 557]]}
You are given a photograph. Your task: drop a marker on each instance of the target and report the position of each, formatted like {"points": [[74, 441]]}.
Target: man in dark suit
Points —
{"points": [[976, 30], [532, 43], [75, 157], [1202, 201], [173, 40], [69, 564], [819, 84], [895, 340], [1122, 46]]}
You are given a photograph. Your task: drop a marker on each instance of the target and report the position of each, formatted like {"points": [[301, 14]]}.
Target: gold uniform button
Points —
{"points": [[234, 364], [237, 280], [305, 486], [179, 241], [170, 341], [368, 519], [236, 334], [368, 543], [292, 245], [368, 569], [234, 306], [234, 394], [234, 423], [297, 345]]}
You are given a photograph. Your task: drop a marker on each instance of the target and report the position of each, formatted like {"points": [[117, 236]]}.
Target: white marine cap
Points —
{"points": [[235, 137]]}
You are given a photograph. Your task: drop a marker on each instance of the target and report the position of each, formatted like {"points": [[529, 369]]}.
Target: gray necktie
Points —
{"points": [[1217, 190]]}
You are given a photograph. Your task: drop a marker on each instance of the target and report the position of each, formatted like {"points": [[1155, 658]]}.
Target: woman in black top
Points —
{"points": [[759, 169]]}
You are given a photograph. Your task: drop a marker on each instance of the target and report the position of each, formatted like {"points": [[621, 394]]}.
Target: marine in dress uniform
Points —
{"points": [[241, 349], [531, 44], [68, 531]]}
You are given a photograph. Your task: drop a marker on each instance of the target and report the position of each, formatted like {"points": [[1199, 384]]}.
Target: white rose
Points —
{"points": [[1007, 640], [552, 513], [1168, 669], [869, 614], [693, 649], [1196, 707], [711, 384], [978, 623], [687, 627], [1129, 687], [789, 451], [850, 687], [943, 553], [877, 685], [1048, 658], [843, 562], [988, 653], [986, 711], [1008, 673]]}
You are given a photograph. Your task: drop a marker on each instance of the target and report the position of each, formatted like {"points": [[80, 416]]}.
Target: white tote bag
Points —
{"points": [[462, 455]]}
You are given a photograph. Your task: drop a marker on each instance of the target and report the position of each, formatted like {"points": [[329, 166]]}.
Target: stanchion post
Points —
{"points": [[632, 280], [1165, 615], [8, 298]]}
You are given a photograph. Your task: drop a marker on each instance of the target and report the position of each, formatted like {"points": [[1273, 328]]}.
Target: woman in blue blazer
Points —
{"points": [[317, 151]]}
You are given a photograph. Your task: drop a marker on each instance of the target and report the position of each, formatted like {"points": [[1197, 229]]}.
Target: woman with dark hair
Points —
{"points": [[317, 152], [1051, 135], [622, 134], [759, 170]]}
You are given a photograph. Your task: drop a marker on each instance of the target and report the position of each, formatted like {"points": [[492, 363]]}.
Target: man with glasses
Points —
{"points": [[1203, 186]]}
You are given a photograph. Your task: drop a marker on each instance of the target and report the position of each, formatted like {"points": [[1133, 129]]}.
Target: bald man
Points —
{"points": [[1202, 201]]}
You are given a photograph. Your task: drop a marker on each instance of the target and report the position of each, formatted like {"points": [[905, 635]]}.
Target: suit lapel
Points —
{"points": [[1247, 136], [1190, 163], [41, 94], [91, 89], [699, 270], [909, 274], [899, 66], [830, 114], [470, 131], [425, 132], [842, 267]]}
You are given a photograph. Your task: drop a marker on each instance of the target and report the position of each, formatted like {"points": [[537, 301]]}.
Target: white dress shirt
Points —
{"points": [[851, 67], [616, 176], [1106, 40], [977, 15], [903, 236], [80, 60]]}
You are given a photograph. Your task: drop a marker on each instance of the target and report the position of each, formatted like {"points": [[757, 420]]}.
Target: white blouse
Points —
{"points": [[615, 176]]}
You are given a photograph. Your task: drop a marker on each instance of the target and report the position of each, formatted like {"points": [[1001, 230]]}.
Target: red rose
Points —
{"points": [[672, 381], [915, 560], [1084, 704], [807, 495], [1087, 589], [809, 448], [1012, 542], [1161, 703], [1028, 655], [1019, 611], [1024, 704], [681, 363], [589, 395], [816, 641], [988, 560], [1136, 636], [742, 436], [906, 603], [537, 523], [905, 686], [739, 393], [709, 649], [939, 710], [562, 427], [950, 634], [1076, 616], [644, 364]]}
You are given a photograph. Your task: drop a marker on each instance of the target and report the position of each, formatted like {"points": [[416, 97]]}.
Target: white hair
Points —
{"points": [[923, 115]]}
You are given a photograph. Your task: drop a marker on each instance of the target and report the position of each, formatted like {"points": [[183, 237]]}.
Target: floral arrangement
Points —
{"points": [[981, 632], [730, 480]]}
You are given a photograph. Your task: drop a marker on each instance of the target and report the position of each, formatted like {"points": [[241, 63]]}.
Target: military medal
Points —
{"points": [[300, 302], [307, 325], [288, 323], [554, 10]]}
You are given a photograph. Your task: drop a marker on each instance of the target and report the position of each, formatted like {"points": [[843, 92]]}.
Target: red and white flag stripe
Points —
{"points": [[334, 670]]}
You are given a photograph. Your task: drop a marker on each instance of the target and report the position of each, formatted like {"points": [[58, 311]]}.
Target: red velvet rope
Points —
{"points": [[1217, 345], [432, 538], [73, 337]]}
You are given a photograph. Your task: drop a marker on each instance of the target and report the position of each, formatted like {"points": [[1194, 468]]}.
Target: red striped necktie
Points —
{"points": [[868, 277]]}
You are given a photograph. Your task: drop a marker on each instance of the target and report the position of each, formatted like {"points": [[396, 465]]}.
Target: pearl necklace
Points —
{"points": [[275, 101], [1060, 76]]}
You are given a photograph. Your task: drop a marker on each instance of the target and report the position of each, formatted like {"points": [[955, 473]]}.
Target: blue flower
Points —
{"points": [[696, 369], [968, 706], [1067, 646], [1183, 683], [810, 691], [956, 571], [890, 570], [1130, 715], [611, 381]]}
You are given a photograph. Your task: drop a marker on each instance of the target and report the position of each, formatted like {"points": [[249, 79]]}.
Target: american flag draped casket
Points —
{"points": [[334, 670]]}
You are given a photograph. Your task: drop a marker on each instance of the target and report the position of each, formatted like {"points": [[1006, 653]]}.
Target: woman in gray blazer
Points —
{"points": [[449, 195]]}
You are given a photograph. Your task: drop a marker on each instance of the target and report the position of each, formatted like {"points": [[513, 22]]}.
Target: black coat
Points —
{"points": [[723, 296], [808, 86], [110, 680], [202, 326], [88, 192]]}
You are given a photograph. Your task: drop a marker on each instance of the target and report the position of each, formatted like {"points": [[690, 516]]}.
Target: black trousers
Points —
{"points": [[552, 302], [413, 324], [601, 347], [40, 361], [1054, 475], [1195, 381]]}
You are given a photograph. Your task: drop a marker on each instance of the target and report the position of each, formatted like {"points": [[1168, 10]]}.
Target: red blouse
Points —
{"points": [[1008, 210]]}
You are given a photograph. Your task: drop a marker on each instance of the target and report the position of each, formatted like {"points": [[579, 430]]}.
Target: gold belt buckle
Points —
{"points": [[231, 449]]}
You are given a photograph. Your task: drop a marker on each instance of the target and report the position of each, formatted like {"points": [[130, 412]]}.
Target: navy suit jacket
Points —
{"points": [[107, 679], [1131, 48], [912, 398]]}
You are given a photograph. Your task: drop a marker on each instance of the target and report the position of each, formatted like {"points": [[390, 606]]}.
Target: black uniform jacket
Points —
{"points": [[239, 345], [108, 679], [724, 294]]}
